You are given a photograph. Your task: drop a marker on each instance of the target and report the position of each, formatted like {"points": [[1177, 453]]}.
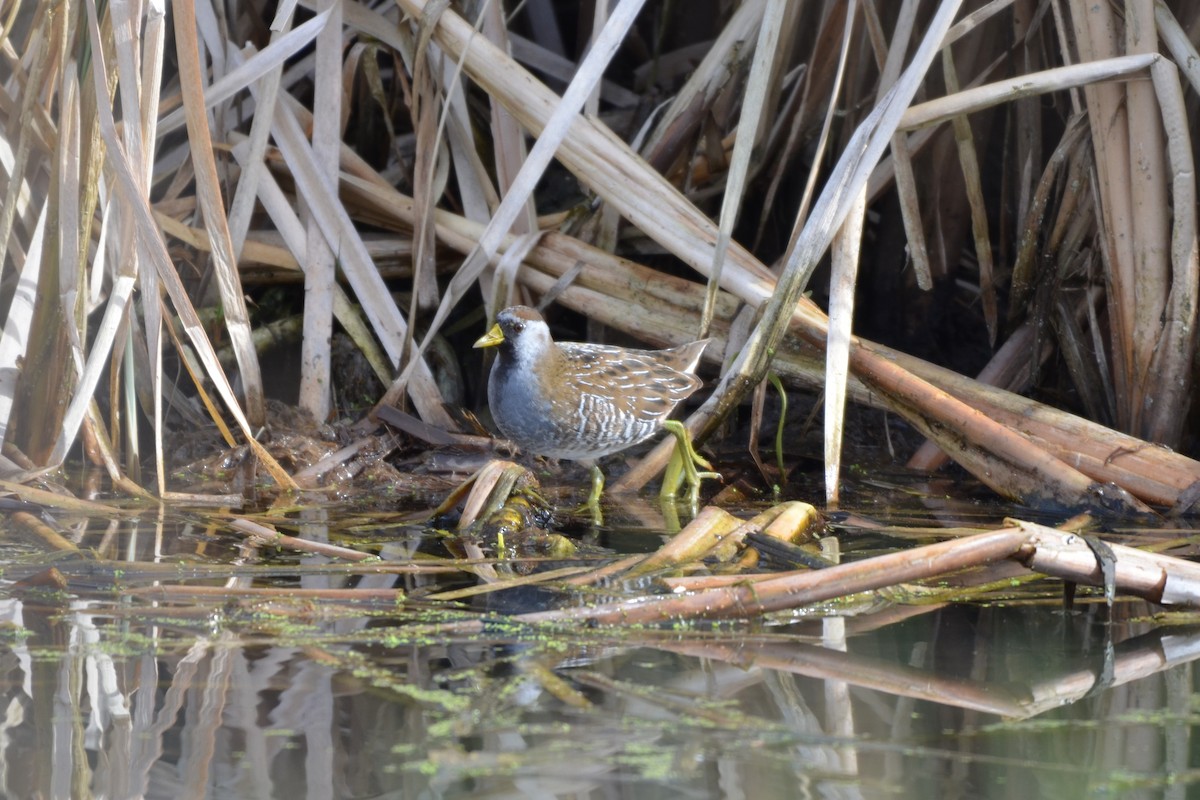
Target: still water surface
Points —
{"points": [[109, 689]]}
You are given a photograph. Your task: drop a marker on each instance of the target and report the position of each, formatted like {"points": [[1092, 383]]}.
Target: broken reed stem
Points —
{"points": [[53, 539], [1158, 578], [791, 590], [264, 535]]}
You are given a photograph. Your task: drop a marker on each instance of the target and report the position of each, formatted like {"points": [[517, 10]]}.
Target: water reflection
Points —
{"points": [[130, 699]]}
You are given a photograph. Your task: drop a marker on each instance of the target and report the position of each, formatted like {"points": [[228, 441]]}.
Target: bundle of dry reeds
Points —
{"points": [[1037, 158]]}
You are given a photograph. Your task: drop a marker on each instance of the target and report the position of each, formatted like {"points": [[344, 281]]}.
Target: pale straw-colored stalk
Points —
{"points": [[208, 192]]}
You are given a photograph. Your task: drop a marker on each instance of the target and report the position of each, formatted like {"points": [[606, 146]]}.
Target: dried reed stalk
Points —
{"points": [[1161, 579]]}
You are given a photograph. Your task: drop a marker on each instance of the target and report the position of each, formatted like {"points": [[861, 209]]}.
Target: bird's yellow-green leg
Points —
{"points": [[593, 501], [683, 465]]}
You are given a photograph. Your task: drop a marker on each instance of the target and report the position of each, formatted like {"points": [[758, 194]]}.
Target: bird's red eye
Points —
{"points": [[517, 327]]}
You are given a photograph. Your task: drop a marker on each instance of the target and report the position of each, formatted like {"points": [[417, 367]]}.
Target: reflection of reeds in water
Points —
{"points": [[249, 696]]}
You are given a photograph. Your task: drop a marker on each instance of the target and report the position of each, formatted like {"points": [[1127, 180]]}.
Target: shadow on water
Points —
{"points": [[191, 672]]}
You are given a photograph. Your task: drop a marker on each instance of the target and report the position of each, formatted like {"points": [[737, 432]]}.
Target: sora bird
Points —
{"points": [[580, 401]]}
